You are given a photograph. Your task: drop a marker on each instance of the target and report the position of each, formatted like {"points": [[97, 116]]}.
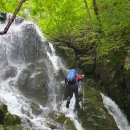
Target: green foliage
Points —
{"points": [[61, 118], [115, 25], [127, 66], [61, 19], [114, 14], [68, 20], [8, 5], [70, 124]]}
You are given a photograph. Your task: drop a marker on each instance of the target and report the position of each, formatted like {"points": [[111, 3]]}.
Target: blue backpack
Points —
{"points": [[71, 77]]}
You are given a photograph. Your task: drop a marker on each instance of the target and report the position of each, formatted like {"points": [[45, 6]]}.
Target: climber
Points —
{"points": [[72, 83]]}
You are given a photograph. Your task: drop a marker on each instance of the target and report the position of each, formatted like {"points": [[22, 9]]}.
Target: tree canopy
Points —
{"points": [[102, 22]]}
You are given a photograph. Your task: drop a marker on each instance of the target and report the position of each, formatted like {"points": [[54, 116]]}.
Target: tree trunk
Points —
{"points": [[89, 15], [97, 13], [12, 18]]}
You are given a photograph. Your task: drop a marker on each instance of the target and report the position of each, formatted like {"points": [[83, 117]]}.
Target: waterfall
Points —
{"points": [[31, 76], [114, 110]]}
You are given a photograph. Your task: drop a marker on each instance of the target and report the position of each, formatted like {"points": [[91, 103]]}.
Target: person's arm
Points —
{"points": [[82, 77], [79, 78], [66, 80]]}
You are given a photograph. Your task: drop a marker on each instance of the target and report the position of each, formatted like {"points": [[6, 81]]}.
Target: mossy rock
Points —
{"points": [[85, 58], [70, 124], [66, 121], [68, 54], [87, 63], [3, 111], [3, 107], [88, 66], [94, 115], [52, 126], [11, 120], [61, 118]]}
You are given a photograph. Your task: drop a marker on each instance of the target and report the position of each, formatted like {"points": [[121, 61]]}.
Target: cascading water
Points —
{"points": [[114, 110], [31, 76]]}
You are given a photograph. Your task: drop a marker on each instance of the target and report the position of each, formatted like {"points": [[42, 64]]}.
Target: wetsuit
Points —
{"points": [[73, 88]]}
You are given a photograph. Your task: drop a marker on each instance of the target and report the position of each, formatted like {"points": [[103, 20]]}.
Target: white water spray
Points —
{"points": [[71, 114], [114, 110]]}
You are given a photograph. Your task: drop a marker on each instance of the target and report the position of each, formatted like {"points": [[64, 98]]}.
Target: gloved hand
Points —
{"points": [[82, 76]]}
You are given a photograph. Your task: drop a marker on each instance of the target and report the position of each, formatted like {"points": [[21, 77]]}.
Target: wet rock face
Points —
{"points": [[68, 54], [32, 82], [22, 44], [111, 78], [6, 71], [36, 108], [59, 75], [107, 74], [87, 63], [3, 56], [18, 20], [26, 45], [31, 43], [9, 72], [115, 81]]}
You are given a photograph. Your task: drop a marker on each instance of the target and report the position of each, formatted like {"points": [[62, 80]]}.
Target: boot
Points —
{"points": [[67, 104]]}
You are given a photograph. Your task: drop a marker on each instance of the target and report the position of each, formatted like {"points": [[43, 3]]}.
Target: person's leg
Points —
{"points": [[76, 96], [70, 94]]}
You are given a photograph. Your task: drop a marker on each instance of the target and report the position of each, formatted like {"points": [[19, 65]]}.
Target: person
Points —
{"points": [[73, 88]]}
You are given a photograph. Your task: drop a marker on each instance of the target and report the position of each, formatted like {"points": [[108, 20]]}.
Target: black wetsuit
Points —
{"points": [[72, 88]]}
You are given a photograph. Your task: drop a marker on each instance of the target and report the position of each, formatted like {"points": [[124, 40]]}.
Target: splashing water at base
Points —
{"points": [[71, 114], [114, 110]]}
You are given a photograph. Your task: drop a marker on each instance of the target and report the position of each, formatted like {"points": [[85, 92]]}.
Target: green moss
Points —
{"points": [[3, 108], [52, 126], [11, 120], [66, 121], [61, 118], [17, 120], [3, 111], [70, 124]]}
